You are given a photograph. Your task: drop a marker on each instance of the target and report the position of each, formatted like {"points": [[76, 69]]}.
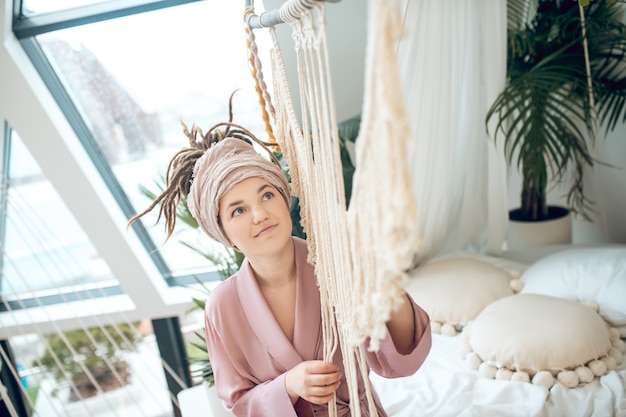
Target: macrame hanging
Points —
{"points": [[360, 253]]}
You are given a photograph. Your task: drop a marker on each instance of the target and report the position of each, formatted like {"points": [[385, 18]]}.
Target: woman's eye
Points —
{"points": [[237, 211], [268, 195]]}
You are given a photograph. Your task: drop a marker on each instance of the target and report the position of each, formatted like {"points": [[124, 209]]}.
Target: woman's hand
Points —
{"points": [[313, 381]]}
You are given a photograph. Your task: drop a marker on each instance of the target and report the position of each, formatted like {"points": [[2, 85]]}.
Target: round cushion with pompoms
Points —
{"points": [[550, 340]]}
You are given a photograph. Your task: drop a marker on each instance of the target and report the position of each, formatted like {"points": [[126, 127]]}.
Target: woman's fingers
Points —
{"points": [[319, 367], [321, 394], [324, 381], [314, 381]]}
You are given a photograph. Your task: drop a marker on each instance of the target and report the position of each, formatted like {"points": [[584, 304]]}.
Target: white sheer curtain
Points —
{"points": [[453, 64]]}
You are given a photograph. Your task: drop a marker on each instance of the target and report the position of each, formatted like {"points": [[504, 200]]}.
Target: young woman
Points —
{"points": [[263, 324]]}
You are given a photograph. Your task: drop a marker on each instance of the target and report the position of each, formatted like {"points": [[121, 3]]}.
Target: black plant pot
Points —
{"points": [[554, 212]]}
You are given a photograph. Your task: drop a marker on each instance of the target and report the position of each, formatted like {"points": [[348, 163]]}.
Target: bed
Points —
{"points": [[533, 333], [444, 387], [462, 293]]}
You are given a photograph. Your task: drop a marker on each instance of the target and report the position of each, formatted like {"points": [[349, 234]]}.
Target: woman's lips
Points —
{"points": [[265, 230]]}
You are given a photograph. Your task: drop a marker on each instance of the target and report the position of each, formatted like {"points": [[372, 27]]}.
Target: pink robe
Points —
{"points": [[250, 353]]}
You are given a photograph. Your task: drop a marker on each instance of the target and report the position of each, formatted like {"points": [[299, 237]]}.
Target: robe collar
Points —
{"points": [[307, 330]]}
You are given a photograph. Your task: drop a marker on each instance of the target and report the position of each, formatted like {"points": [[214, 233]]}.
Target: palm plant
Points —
{"points": [[91, 358], [565, 76]]}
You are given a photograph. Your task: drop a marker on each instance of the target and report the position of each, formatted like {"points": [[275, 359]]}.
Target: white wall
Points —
{"points": [[613, 184], [346, 32]]}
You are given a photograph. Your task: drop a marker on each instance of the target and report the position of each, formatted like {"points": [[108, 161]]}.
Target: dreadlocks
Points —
{"points": [[180, 170]]}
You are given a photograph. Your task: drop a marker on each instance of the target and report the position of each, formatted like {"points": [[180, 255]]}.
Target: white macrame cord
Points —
{"points": [[360, 253]]}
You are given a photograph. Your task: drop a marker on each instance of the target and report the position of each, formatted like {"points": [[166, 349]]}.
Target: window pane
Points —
{"points": [[135, 78], [34, 7], [45, 250], [127, 377]]}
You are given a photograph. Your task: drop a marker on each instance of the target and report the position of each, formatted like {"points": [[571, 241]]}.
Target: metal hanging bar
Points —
{"points": [[267, 19]]}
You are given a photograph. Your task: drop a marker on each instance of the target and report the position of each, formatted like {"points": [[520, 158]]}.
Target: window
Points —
{"points": [[44, 248], [126, 83], [124, 74], [35, 7]]}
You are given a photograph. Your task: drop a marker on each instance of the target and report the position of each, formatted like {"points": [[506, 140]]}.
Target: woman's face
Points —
{"points": [[255, 218]]}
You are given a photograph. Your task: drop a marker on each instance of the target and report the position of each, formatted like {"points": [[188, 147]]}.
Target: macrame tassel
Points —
{"points": [[360, 254], [383, 210]]}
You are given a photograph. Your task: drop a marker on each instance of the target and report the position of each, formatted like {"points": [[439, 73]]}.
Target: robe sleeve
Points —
{"points": [[389, 363], [242, 396]]}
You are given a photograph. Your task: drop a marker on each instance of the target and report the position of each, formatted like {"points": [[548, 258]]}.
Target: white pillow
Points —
{"points": [[454, 290], [537, 338], [592, 275]]}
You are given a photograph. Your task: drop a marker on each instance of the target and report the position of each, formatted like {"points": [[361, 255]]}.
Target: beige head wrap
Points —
{"points": [[222, 166]]}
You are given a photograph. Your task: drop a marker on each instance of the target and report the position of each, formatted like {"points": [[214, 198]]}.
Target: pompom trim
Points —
{"points": [[569, 378]]}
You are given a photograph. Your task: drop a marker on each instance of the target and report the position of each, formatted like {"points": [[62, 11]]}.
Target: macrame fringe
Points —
{"points": [[360, 254]]}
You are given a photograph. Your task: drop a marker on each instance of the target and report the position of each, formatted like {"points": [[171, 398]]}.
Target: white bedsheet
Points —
{"points": [[445, 387]]}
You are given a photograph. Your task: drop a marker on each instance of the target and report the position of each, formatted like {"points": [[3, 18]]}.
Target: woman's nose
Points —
{"points": [[259, 214]]}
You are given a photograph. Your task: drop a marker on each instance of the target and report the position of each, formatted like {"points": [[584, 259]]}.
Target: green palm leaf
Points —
{"points": [[544, 113]]}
